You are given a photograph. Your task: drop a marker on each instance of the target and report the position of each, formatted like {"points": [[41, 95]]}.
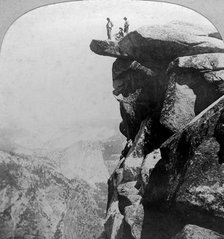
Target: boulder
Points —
{"points": [[179, 103], [130, 115], [115, 179], [134, 216], [201, 62], [195, 232], [189, 177], [186, 96], [170, 96], [149, 136], [133, 161], [148, 164], [128, 194], [191, 80], [215, 76], [160, 43], [114, 224]]}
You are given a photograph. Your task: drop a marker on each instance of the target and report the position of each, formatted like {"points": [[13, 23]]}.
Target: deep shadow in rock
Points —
{"points": [[219, 135], [159, 224], [164, 224]]}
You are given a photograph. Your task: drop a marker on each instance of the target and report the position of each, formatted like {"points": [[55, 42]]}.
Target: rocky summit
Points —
{"points": [[169, 182]]}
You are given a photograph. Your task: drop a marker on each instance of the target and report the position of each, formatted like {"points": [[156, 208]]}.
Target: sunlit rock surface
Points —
{"points": [[160, 43], [195, 232]]}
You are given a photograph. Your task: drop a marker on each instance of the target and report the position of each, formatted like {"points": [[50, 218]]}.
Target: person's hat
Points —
{"points": [[121, 28], [125, 18]]}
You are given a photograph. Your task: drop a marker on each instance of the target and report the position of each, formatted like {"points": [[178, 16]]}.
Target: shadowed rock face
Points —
{"points": [[219, 135], [190, 166], [166, 79], [106, 47]]}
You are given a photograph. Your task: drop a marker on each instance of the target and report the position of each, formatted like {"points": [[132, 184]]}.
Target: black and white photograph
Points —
{"points": [[111, 120]]}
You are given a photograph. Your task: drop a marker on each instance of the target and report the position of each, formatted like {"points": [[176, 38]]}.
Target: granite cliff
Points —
{"points": [[169, 82]]}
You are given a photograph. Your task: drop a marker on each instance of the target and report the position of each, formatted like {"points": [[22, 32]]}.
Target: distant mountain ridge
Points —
{"points": [[58, 190], [47, 139], [38, 201]]}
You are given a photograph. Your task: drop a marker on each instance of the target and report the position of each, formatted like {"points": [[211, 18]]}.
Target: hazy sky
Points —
{"points": [[49, 76]]}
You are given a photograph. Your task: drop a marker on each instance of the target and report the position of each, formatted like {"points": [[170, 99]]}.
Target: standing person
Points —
{"points": [[109, 28], [126, 25]]}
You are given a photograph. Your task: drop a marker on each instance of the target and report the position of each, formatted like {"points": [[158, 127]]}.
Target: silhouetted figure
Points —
{"points": [[126, 25], [109, 28]]}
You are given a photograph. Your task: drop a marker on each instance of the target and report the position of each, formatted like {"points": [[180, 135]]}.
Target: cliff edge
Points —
{"points": [[169, 82]]}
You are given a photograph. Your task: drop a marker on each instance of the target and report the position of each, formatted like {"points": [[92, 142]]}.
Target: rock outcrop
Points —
{"points": [[158, 77], [169, 83]]}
